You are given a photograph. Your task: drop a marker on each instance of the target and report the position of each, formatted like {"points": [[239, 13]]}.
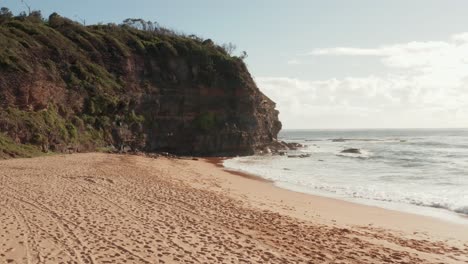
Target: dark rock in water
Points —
{"points": [[299, 156], [293, 145], [278, 147], [352, 151]]}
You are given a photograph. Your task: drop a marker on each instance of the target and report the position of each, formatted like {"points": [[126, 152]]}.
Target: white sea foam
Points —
{"points": [[421, 171]]}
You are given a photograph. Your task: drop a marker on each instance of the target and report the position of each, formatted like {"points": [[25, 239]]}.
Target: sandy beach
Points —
{"points": [[103, 208]]}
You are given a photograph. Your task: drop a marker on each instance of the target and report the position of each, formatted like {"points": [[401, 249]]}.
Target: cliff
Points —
{"points": [[68, 87]]}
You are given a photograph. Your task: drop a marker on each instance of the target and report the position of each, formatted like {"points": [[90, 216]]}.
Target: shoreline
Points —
{"points": [[376, 215], [437, 213], [97, 208], [218, 162]]}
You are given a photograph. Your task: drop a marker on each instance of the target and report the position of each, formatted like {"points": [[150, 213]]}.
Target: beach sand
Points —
{"points": [[103, 208]]}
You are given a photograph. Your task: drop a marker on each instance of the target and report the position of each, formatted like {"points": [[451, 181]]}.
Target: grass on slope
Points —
{"points": [[9, 149]]}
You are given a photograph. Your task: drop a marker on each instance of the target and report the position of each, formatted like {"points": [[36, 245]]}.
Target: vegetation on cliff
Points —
{"points": [[69, 87]]}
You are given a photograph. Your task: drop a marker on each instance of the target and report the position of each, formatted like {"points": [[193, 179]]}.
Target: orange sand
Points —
{"points": [[100, 208]]}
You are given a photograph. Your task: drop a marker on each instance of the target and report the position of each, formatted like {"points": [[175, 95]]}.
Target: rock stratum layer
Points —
{"points": [[69, 87]]}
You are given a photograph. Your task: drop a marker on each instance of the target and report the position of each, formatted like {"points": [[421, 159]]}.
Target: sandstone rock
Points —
{"points": [[135, 90]]}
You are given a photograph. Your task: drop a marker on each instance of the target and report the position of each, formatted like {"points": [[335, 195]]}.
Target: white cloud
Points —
{"points": [[442, 57], [461, 37], [293, 62], [426, 85], [348, 52], [389, 101], [389, 50]]}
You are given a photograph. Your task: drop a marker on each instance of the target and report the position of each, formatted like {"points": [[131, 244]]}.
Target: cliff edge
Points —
{"points": [[67, 87]]}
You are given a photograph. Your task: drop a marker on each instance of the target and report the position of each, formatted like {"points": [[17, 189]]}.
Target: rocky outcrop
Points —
{"points": [[66, 87], [351, 151], [278, 147]]}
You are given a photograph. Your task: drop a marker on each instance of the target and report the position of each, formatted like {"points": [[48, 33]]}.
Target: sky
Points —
{"points": [[327, 64]]}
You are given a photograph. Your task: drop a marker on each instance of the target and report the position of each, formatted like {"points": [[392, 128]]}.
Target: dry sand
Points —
{"points": [[100, 208]]}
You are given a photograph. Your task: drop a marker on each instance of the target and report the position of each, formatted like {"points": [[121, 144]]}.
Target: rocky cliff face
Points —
{"points": [[66, 87]]}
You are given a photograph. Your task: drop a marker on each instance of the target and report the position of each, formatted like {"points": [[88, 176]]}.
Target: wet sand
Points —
{"points": [[101, 208]]}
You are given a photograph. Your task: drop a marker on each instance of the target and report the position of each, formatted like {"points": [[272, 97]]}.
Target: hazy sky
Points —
{"points": [[330, 63]]}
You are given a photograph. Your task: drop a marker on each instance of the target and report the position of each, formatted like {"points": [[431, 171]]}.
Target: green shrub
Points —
{"points": [[10, 149], [72, 131]]}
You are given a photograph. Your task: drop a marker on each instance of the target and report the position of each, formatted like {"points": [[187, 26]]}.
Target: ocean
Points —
{"points": [[422, 171]]}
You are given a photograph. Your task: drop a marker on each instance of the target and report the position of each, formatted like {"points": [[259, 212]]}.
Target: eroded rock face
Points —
{"points": [[215, 119], [107, 85]]}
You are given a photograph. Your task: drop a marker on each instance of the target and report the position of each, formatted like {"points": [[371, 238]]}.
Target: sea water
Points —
{"points": [[423, 171]]}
